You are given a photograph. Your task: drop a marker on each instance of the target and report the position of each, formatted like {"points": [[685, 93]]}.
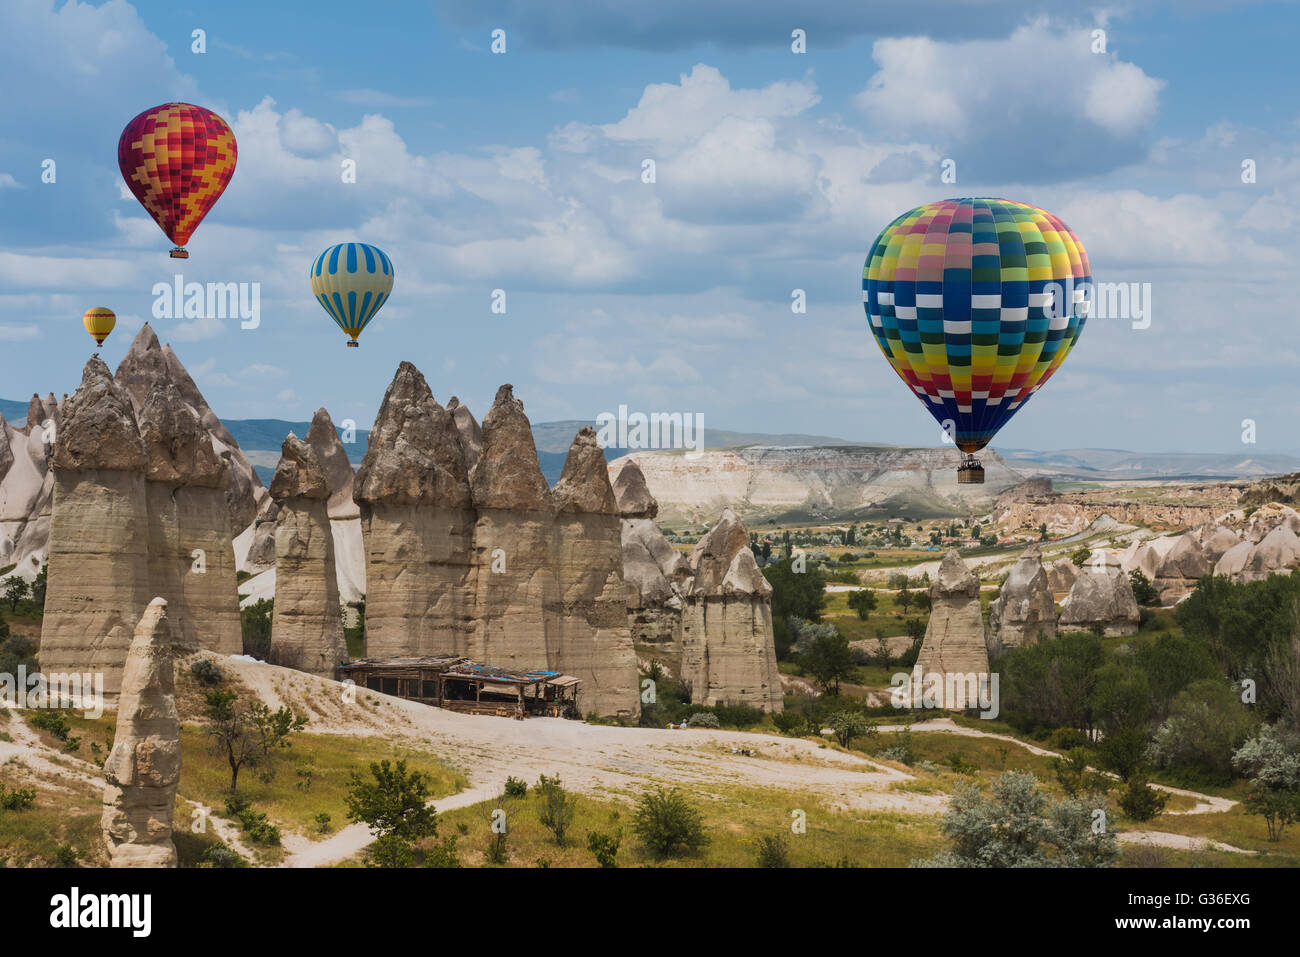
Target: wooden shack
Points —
{"points": [[458, 684]]}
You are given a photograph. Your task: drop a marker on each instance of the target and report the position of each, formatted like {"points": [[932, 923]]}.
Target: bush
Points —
{"points": [[206, 672], [1140, 801], [220, 856], [515, 788], [1143, 590], [704, 719], [790, 723], [740, 715], [772, 851], [668, 824], [604, 847], [255, 823], [54, 722], [443, 854], [19, 799], [556, 807], [255, 622], [1067, 739]]}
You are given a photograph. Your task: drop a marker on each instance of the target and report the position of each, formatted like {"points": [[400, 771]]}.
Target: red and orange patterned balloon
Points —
{"points": [[177, 159]]}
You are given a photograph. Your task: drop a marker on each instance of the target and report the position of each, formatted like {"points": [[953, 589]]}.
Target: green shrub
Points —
{"points": [[206, 672], [220, 856], [54, 722], [556, 807], [443, 853], [604, 847], [19, 799], [772, 851], [667, 824], [790, 723], [1141, 802], [1067, 739], [704, 719], [515, 788]]}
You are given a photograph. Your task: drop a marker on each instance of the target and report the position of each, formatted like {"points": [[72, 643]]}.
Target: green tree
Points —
{"points": [[668, 825], [39, 584], [1207, 724], [862, 601], [829, 660], [1079, 557], [1143, 590], [904, 598], [394, 803], [255, 620], [847, 725], [230, 733], [16, 589]]}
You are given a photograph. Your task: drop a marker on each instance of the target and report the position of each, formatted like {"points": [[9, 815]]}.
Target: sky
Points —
{"points": [[522, 171]]}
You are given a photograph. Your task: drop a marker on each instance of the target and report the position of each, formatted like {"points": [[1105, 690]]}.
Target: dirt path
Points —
{"points": [[1181, 842], [1206, 803]]}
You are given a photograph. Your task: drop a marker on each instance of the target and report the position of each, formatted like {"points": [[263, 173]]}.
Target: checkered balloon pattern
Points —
{"points": [[976, 303], [177, 159]]}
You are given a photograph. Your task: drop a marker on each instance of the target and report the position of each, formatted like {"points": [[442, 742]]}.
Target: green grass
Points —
{"points": [[734, 818]]}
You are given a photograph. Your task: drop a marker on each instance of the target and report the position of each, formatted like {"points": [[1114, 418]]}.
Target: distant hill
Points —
{"points": [[261, 438]]}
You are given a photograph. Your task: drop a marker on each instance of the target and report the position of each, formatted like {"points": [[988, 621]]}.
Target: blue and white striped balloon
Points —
{"points": [[352, 281]]}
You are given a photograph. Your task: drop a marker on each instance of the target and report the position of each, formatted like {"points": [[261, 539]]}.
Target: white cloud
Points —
{"points": [[11, 333], [7, 181]]}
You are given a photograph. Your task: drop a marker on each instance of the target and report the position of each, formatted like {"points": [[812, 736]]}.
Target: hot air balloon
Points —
{"points": [[352, 280], [99, 322], [177, 159], [976, 303]]}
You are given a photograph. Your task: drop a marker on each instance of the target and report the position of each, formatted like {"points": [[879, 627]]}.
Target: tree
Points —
{"points": [[904, 598], [667, 824], [556, 807], [1075, 776], [796, 594], [246, 735], [863, 601], [1271, 759], [39, 585], [395, 805], [1042, 531], [230, 733], [828, 660], [1206, 725], [1140, 801], [255, 621], [16, 589], [1080, 557], [1019, 826], [1143, 590], [604, 847], [847, 725]]}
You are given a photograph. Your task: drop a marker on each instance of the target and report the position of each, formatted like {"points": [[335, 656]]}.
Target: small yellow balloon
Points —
{"points": [[99, 322]]}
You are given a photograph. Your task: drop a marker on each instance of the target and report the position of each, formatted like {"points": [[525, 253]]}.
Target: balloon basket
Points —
{"points": [[970, 472], [353, 344], [180, 253]]}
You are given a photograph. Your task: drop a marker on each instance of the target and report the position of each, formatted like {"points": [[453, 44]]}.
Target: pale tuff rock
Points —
{"points": [[593, 641], [658, 576], [144, 767], [1145, 559], [324, 439], [1024, 612], [1181, 569], [6, 450], [1215, 540], [147, 362], [634, 498], [513, 541], [471, 436], [1279, 551], [414, 456], [507, 475], [99, 540], [954, 641], [728, 651], [307, 628], [1062, 576], [418, 523], [191, 556], [261, 553], [1233, 562], [1101, 596], [100, 429]]}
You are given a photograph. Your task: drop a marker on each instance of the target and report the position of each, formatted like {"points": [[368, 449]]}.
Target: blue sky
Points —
{"points": [[775, 171]]}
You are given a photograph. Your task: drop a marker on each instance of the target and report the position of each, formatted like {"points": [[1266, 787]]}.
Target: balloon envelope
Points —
{"points": [[351, 281], [976, 303], [177, 159], [99, 322]]}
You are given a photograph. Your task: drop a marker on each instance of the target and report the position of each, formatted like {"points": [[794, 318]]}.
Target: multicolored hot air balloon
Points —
{"points": [[99, 322], [177, 159], [976, 303], [352, 280]]}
